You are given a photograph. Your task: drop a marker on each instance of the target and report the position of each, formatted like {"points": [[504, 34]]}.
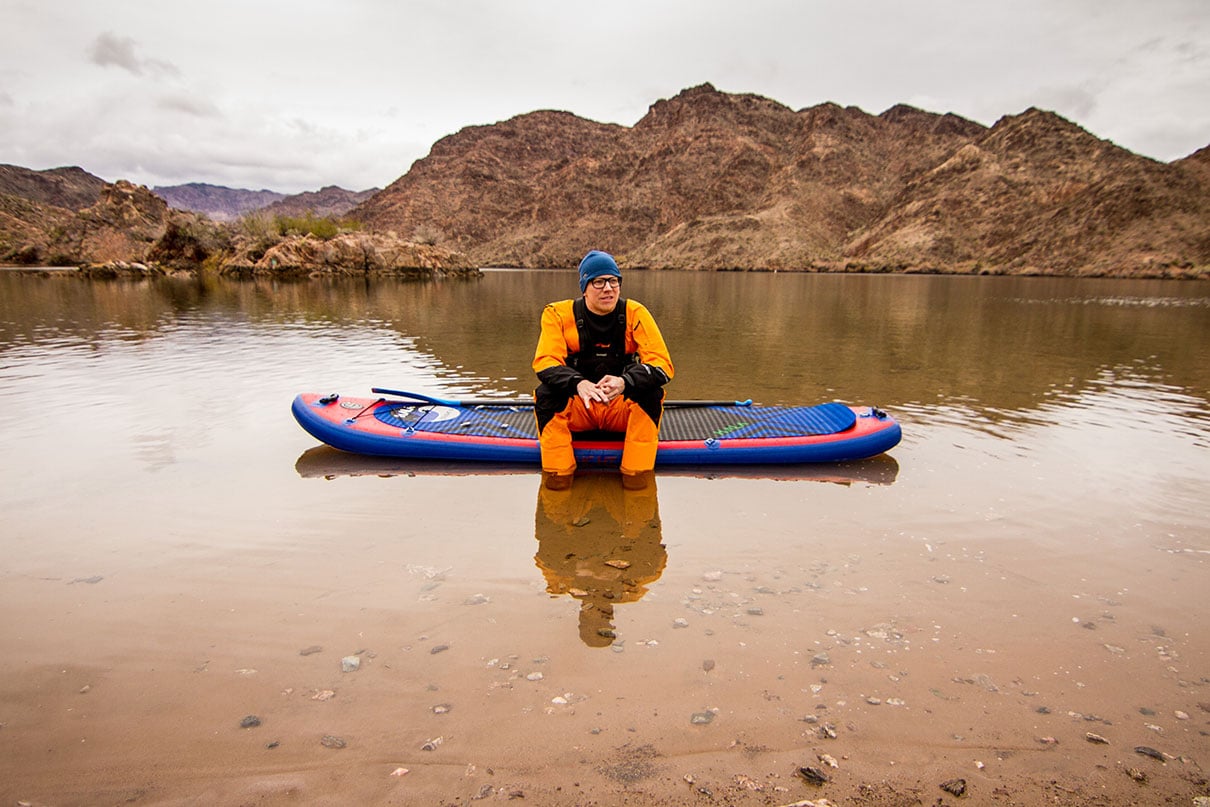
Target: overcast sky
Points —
{"points": [[292, 96]]}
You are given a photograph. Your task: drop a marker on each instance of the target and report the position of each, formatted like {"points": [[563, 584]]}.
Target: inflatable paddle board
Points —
{"points": [[692, 433]]}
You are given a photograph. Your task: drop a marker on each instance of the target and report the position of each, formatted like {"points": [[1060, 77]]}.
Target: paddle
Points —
{"points": [[420, 400]]}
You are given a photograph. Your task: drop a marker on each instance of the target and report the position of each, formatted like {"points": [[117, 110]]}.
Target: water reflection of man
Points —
{"points": [[599, 543]]}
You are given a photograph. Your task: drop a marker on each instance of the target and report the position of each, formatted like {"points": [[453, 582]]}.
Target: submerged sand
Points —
{"points": [[700, 642]]}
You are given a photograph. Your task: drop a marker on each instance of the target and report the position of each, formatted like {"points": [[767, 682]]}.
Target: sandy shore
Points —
{"points": [[697, 645]]}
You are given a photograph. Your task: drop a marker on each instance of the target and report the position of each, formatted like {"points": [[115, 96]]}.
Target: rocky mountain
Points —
{"points": [[711, 180], [1037, 193], [328, 202], [216, 201], [72, 188]]}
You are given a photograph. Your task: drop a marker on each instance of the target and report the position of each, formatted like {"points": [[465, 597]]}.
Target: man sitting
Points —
{"points": [[602, 364]]}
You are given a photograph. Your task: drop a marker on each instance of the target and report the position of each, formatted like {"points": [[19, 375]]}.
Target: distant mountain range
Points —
{"points": [[216, 201], [711, 180], [74, 188], [227, 204]]}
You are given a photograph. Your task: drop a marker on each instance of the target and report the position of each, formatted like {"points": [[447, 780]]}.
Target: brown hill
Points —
{"points": [[72, 188], [710, 180], [1198, 163], [328, 202], [503, 190], [1039, 194]]}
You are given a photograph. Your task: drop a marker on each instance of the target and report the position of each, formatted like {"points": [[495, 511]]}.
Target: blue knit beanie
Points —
{"points": [[597, 264]]}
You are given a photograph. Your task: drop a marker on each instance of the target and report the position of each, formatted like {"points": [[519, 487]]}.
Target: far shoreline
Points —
{"points": [[136, 270]]}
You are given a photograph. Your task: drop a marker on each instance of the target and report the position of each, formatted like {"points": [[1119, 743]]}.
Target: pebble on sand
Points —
{"points": [[955, 787], [249, 722], [350, 663], [1148, 751]]}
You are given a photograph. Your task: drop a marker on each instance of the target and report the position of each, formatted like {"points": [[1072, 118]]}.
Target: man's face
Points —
{"points": [[602, 300]]}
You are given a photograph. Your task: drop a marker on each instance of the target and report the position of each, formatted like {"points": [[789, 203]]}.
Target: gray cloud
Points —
{"points": [[111, 50], [189, 105], [292, 105]]}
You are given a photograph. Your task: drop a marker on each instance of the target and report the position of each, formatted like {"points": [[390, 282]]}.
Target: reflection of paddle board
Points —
{"points": [[328, 463], [689, 435]]}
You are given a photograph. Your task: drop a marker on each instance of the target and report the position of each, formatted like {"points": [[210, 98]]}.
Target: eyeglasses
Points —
{"points": [[602, 282]]}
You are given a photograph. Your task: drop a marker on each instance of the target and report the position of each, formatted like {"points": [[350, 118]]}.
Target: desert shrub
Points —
{"points": [[259, 229], [428, 234], [322, 227], [188, 241], [257, 232]]}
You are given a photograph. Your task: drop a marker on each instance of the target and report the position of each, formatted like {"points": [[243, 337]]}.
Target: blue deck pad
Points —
{"points": [[679, 423], [746, 422]]}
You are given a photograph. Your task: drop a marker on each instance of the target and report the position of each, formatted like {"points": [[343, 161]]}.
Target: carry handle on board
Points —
{"points": [[421, 399]]}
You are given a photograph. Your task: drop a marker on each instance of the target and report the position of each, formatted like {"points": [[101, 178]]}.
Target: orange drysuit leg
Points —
{"points": [[555, 440], [619, 415], [642, 439]]}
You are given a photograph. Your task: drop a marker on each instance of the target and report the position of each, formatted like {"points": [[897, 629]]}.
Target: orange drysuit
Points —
{"points": [[637, 354]]}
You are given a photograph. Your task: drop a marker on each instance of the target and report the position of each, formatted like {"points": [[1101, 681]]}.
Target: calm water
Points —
{"points": [[162, 510]]}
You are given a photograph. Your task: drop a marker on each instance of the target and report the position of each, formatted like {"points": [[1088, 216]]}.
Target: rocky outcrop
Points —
{"points": [[710, 180], [131, 232], [27, 229], [348, 254], [121, 226]]}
